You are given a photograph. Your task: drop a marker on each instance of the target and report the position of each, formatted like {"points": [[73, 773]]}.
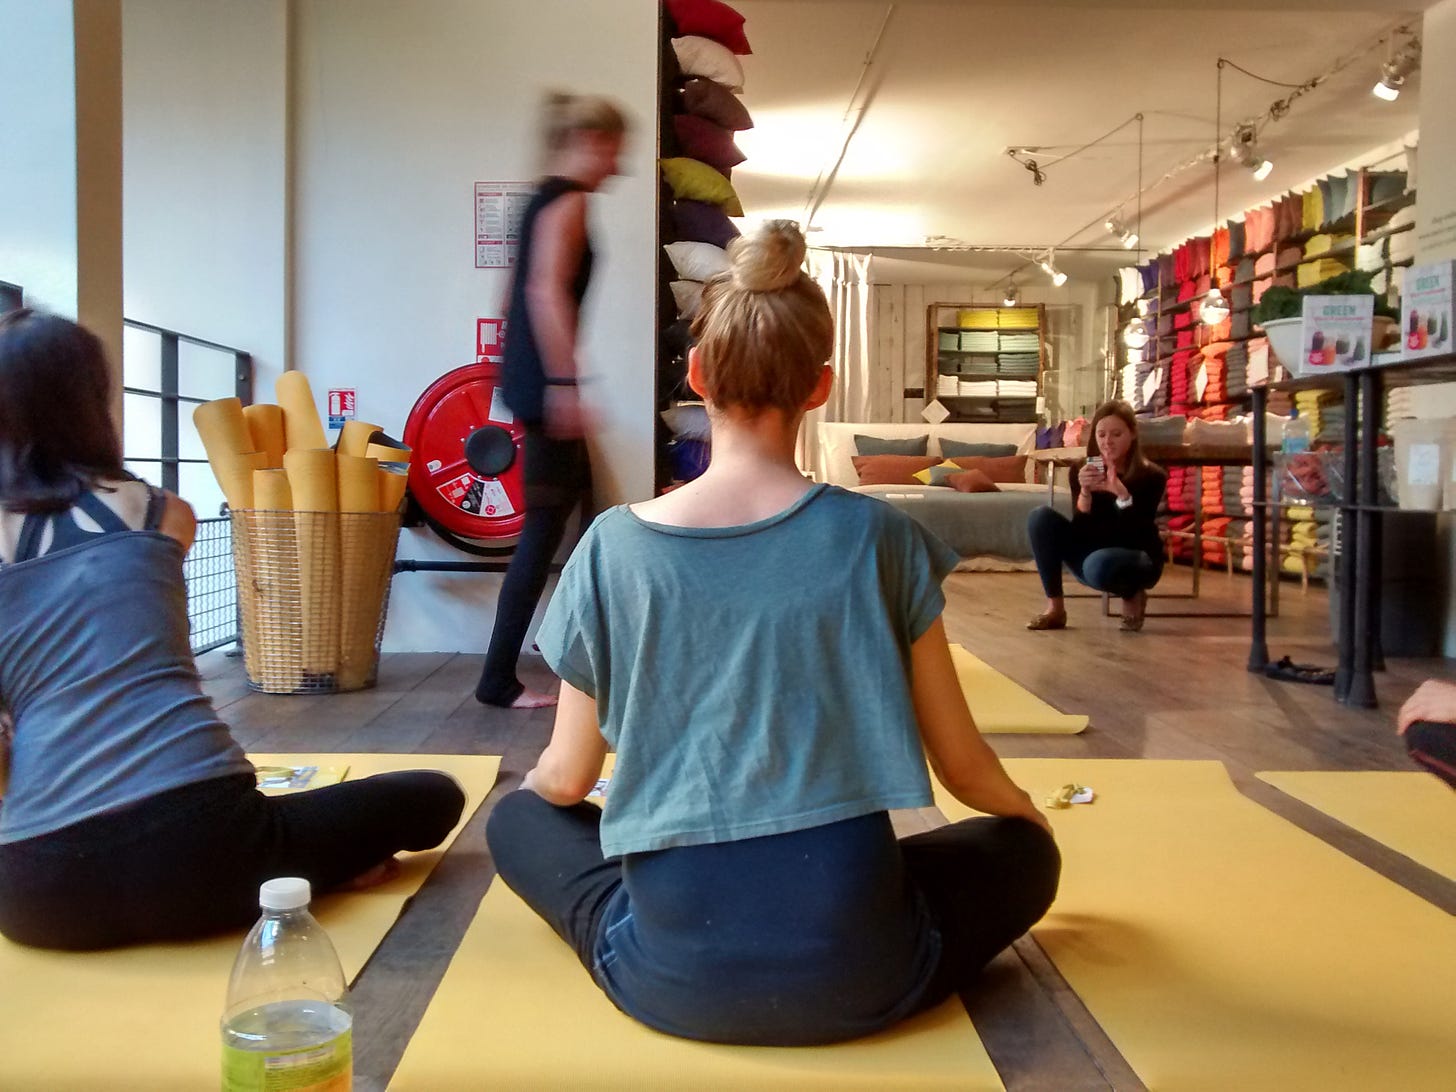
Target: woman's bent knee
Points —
{"points": [[1043, 519]]}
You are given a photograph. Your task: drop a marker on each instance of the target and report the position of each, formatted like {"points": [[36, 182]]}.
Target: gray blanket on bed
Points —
{"points": [[973, 524]]}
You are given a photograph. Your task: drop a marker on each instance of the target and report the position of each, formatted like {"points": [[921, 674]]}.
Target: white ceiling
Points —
{"points": [[954, 84]]}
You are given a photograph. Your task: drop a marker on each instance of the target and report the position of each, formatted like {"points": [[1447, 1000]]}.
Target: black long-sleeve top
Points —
{"points": [[1135, 527]]}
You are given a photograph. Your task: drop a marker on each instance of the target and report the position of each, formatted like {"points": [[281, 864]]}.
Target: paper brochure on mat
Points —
{"points": [[282, 780]]}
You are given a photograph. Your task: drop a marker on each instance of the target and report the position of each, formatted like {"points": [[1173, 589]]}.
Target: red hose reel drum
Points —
{"points": [[466, 470]]}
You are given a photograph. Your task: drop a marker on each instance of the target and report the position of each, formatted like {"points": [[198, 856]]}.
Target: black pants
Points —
{"points": [[1120, 571], [985, 882], [188, 862], [1433, 745], [557, 479]]}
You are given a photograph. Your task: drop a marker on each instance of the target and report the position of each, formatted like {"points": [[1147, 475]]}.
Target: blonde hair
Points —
{"points": [[564, 114], [764, 330]]}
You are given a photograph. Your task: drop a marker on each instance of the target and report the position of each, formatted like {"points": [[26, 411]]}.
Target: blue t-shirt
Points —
{"points": [[753, 680]]}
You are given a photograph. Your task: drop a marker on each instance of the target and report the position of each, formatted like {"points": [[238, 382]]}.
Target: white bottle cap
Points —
{"points": [[286, 893]]}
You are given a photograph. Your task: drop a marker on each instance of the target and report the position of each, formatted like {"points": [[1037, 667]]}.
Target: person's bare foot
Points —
{"points": [[531, 699], [380, 873]]}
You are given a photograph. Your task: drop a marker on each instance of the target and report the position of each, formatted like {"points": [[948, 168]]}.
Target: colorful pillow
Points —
{"points": [[890, 469], [697, 261], [697, 56], [699, 138], [696, 181], [715, 102], [954, 449], [698, 221], [885, 445], [1009, 468], [936, 475], [972, 481], [688, 295], [710, 19]]}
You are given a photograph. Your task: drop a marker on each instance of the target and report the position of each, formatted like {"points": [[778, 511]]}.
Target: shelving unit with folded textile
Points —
{"points": [[986, 364]]}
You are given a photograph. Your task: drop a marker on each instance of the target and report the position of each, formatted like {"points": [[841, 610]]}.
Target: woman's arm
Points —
{"points": [[959, 756], [178, 520], [571, 763]]}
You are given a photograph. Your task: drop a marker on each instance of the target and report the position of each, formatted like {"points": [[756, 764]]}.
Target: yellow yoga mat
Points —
{"points": [[517, 1010], [358, 483], [265, 424], [1221, 947], [354, 437], [312, 478], [271, 492], [1412, 813], [1000, 706], [392, 484], [388, 451], [146, 1018], [301, 423], [234, 473], [223, 428]]}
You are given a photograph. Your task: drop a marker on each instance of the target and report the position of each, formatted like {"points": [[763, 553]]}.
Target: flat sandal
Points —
{"points": [[1047, 621]]}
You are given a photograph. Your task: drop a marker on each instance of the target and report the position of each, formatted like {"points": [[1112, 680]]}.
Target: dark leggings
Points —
{"points": [[557, 478], [1118, 570], [984, 881], [187, 862], [1433, 745]]}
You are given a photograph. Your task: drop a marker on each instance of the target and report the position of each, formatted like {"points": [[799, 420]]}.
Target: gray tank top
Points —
{"points": [[97, 670]]}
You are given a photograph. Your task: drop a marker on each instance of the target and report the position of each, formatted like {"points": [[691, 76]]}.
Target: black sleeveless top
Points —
{"points": [[524, 375]]}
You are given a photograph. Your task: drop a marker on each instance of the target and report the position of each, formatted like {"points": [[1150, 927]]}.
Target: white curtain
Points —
{"points": [[845, 279]]}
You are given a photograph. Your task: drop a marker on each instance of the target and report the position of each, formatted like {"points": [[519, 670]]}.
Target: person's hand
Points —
{"points": [[565, 419], [1113, 484], [1433, 700], [1092, 479]]}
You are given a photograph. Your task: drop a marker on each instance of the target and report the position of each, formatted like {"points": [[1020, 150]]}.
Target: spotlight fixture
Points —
{"points": [[1125, 235], [1049, 267], [1012, 295], [1142, 308], [1136, 335], [1215, 308], [1245, 152], [1396, 68]]}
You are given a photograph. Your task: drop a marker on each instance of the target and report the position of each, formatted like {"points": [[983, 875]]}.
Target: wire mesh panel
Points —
{"points": [[314, 593], [212, 587]]}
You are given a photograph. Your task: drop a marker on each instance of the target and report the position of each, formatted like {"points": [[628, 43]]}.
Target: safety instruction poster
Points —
{"points": [[499, 209]]}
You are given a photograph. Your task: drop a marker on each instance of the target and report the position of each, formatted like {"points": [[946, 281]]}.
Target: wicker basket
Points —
{"points": [[313, 589]]}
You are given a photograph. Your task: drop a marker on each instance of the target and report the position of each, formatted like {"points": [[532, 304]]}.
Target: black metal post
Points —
{"points": [[1362, 682], [1258, 646], [1349, 543], [168, 383]]}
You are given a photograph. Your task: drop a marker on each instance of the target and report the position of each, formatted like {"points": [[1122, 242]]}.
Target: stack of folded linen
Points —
{"points": [[977, 316], [970, 388], [1016, 388], [1018, 318], [978, 341]]}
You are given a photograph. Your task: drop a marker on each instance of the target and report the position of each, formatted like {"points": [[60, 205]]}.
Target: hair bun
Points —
{"points": [[769, 260]]}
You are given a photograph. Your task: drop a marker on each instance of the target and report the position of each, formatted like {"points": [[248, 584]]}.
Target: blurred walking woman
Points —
{"points": [[583, 136]]}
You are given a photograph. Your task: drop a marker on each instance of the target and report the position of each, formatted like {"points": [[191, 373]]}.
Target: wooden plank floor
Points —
{"points": [[1179, 689]]}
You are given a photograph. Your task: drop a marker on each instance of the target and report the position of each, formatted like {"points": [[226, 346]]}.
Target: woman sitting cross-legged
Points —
{"points": [[767, 658], [1111, 543], [131, 814]]}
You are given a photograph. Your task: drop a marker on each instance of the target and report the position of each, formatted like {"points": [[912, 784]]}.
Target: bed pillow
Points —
{"points": [[697, 261], [688, 295], [937, 475], [890, 469], [698, 138], [885, 445], [972, 481], [695, 181], [955, 449], [713, 101], [700, 222], [698, 56], [710, 19], [1009, 468]]}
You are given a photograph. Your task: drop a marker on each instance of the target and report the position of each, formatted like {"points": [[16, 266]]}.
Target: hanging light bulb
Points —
{"points": [[1215, 308], [1136, 334], [1394, 71], [1048, 265], [1012, 295], [1245, 152], [1125, 235]]}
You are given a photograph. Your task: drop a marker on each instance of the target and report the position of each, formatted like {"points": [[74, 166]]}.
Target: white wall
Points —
{"points": [[399, 109]]}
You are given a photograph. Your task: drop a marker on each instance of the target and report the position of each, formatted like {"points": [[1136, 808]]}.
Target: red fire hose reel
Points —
{"points": [[466, 471]]}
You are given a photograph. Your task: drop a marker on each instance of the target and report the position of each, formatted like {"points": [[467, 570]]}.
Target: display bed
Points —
{"points": [[988, 530]]}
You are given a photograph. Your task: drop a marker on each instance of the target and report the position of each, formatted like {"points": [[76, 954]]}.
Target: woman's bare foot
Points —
{"points": [[380, 873], [530, 699]]}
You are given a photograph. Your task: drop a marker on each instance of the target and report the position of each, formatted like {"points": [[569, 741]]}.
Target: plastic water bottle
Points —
{"points": [[287, 1025], [1296, 435]]}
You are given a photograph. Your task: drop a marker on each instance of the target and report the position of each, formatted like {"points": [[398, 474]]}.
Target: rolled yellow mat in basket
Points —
{"points": [[387, 451], [366, 552], [265, 550], [234, 472], [265, 423], [358, 483], [355, 437], [301, 424], [312, 477], [392, 482], [271, 492]]}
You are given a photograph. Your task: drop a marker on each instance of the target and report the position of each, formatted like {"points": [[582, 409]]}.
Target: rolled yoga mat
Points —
{"points": [[301, 423], [122, 998], [267, 553], [393, 480], [367, 539], [1001, 706], [1221, 947], [1412, 813], [388, 451], [312, 477], [265, 424], [354, 437], [549, 1026], [230, 449]]}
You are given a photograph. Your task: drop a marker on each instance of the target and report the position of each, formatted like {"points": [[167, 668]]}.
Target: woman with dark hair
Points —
{"points": [[130, 813], [1111, 543]]}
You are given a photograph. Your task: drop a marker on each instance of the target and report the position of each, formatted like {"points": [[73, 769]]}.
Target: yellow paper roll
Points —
{"points": [[358, 483], [392, 483], [354, 439], [388, 452], [301, 424], [234, 473], [265, 424], [223, 428], [312, 477], [271, 492]]}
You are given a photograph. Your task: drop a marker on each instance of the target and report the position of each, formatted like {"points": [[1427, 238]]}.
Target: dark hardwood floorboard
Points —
{"points": [[1179, 689]]}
